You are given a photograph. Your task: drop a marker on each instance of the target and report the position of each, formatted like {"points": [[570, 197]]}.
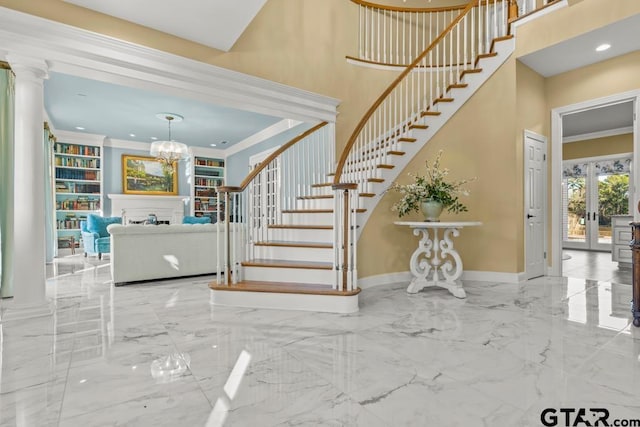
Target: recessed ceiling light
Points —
{"points": [[214, 145], [81, 94], [79, 128], [132, 134], [603, 47], [154, 138]]}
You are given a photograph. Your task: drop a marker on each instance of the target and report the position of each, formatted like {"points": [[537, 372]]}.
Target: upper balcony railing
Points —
{"points": [[395, 35]]}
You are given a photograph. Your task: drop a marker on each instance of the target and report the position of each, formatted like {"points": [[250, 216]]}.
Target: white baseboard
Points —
{"points": [[384, 279], [493, 276], [405, 276]]}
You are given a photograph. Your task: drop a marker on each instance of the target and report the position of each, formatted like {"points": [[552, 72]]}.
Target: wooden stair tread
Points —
{"points": [[375, 179], [430, 113], [407, 139], [283, 263], [457, 86], [321, 196], [291, 244], [301, 227], [284, 288], [415, 126], [324, 184], [443, 100], [471, 71]]}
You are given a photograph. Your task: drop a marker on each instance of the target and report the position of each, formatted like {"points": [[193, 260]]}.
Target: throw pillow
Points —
{"points": [[196, 220], [98, 224]]}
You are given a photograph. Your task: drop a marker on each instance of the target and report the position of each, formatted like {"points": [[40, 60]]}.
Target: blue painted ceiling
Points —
{"points": [[118, 111]]}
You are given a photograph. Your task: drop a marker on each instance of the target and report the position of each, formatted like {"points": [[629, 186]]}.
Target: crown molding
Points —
{"points": [[79, 52], [263, 135], [79, 138], [127, 145], [599, 134], [208, 152]]}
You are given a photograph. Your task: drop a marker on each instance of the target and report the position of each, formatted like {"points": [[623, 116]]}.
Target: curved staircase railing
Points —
{"points": [[408, 104], [392, 35], [274, 188], [417, 92]]}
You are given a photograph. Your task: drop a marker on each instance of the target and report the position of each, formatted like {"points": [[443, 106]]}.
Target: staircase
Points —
{"points": [[299, 239]]}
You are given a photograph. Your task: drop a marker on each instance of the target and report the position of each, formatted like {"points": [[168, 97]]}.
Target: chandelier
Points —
{"points": [[169, 151]]}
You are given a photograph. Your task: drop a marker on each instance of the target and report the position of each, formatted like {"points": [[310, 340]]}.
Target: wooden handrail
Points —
{"points": [[392, 86], [275, 154], [408, 9]]}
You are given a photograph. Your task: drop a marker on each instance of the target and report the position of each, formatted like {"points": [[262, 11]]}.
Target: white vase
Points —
{"points": [[432, 210]]}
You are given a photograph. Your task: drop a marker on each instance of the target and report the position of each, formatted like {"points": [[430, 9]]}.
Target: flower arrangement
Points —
{"points": [[432, 187]]}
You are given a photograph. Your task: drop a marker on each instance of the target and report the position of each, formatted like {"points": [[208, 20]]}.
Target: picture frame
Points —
{"points": [[148, 175]]}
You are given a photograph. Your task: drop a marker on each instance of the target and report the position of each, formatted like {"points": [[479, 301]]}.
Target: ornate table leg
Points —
{"points": [[431, 257], [635, 254], [452, 271], [419, 264]]}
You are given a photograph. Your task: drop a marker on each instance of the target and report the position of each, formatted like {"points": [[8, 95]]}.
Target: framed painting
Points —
{"points": [[148, 175]]}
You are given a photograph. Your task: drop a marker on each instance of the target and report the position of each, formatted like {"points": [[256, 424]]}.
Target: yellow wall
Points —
{"points": [[617, 144], [477, 142], [305, 47], [605, 78], [532, 115]]}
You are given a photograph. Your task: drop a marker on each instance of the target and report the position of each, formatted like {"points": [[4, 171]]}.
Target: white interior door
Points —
{"points": [[535, 149]]}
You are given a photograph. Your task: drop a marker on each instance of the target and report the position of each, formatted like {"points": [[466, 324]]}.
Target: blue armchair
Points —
{"points": [[95, 237], [196, 220]]}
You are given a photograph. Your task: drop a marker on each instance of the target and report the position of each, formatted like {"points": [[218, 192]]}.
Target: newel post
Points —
{"points": [[513, 10], [225, 206], [344, 230]]}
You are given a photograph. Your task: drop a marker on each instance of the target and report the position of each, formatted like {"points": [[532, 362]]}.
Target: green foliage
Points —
{"points": [[613, 195], [433, 186]]}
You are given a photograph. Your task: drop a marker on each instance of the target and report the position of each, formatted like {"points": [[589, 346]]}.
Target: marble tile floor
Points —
{"points": [[594, 265], [158, 354]]}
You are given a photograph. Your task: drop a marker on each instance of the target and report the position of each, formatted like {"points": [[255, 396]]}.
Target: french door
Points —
{"points": [[594, 191]]}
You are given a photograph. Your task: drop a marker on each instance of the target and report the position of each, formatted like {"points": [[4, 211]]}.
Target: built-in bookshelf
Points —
{"points": [[208, 174], [78, 188]]}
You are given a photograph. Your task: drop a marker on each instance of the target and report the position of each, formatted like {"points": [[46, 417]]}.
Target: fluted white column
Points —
{"points": [[29, 187]]}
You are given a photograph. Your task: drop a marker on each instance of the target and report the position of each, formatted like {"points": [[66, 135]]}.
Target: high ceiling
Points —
{"points": [[119, 112], [127, 113], [213, 23]]}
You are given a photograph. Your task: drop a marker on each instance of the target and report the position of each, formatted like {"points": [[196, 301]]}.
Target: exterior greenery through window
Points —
{"points": [[613, 195]]}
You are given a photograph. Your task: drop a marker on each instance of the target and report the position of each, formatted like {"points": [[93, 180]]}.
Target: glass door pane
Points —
{"points": [[576, 224], [613, 199]]}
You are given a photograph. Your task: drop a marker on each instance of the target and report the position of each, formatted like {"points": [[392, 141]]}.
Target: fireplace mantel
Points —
{"points": [[134, 207]]}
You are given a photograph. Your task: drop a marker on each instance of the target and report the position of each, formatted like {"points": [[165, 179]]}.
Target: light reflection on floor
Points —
{"points": [[497, 358]]}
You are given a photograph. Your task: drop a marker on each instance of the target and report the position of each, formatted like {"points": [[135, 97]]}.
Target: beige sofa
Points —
{"points": [[147, 252]]}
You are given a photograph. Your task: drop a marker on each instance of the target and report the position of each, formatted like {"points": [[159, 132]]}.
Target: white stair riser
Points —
{"points": [[281, 301], [324, 218], [301, 235], [289, 275], [322, 191], [293, 254], [314, 203]]}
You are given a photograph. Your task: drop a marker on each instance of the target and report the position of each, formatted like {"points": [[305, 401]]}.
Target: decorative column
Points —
{"points": [[29, 189]]}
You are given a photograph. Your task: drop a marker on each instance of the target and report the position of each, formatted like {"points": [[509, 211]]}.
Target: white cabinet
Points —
{"points": [[621, 236]]}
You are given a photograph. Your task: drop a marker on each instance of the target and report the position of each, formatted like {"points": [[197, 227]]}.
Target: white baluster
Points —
{"points": [[377, 31], [404, 24], [360, 30]]}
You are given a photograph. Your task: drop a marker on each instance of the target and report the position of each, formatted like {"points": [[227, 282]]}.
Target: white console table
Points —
{"points": [[436, 255]]}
